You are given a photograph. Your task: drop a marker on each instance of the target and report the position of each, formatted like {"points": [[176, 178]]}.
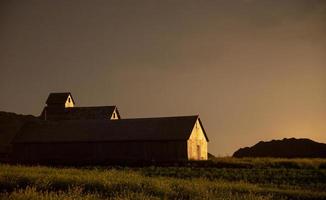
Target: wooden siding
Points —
{"points": [[100, 152], [197, 143], [69, 102], [114, 115]]}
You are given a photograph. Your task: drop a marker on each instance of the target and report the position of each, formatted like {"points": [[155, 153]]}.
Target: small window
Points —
{"points": [[113, 115], [69, 99]]}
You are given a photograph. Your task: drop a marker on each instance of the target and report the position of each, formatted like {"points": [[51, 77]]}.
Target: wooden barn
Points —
{"points": [[105, 141], [76, 135]]}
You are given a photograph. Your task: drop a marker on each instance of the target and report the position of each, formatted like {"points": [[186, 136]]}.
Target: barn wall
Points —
{"points": [[100, 152], [69, 104], [114, 115], [197, 144]]}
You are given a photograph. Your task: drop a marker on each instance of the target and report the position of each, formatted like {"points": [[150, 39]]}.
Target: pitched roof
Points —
{"points": [[95, 112], [79, 113], [141, 129], [58, 98]]}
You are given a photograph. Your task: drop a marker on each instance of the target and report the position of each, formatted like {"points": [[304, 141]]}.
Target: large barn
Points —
{"points": [[74, 140]]}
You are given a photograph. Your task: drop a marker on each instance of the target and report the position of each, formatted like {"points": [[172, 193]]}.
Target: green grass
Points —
{"points": [[264, 179]]}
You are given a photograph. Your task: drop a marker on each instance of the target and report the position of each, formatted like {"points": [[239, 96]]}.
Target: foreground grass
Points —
{"points": [[22, 182]]}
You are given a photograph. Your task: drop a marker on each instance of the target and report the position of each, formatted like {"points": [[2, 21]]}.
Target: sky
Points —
{"points": [[254, 70]]}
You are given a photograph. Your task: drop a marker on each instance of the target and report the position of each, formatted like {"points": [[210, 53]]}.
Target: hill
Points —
{"points": [[10, 123], [210, 156], [287, 148]]}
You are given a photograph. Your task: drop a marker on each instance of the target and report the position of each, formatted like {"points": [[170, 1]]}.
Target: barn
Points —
{"points": [[67, 134], [103, 141]]}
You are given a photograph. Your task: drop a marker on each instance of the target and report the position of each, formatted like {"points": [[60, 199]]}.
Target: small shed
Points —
{"points": [[102, 141]]}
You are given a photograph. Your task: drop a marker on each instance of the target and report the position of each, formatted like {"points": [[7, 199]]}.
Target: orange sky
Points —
{"points": [[253, 70]]}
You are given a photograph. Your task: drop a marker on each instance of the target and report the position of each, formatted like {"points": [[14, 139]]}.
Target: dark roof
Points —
{"points": [[96, 112], [58, 98], [79, 113], [142, 129]]}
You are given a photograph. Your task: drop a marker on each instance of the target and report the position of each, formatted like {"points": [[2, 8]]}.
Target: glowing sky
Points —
{"points": [[252, 69]]}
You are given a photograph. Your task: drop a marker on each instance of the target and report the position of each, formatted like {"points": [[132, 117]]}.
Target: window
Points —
{"points": [[69, 99], [113, 115]]}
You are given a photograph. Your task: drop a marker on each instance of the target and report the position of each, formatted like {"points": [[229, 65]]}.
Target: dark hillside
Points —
{"points": [[211, 156], [286, 148], [10, 123]]}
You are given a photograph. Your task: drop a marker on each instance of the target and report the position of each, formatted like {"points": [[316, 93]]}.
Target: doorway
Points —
{"points": [[198, 152]]}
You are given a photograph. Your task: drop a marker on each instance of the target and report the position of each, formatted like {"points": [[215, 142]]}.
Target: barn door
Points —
{"points": [[198, 152]]}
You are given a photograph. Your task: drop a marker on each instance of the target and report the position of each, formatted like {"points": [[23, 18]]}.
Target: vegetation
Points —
{"points": [[223, 178]]}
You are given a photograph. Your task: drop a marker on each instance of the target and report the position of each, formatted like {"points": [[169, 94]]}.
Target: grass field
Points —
{"points": [[223, 178]]}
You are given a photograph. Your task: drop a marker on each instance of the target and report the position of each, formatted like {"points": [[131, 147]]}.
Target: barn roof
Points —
{"points": [[78, 113], [141, 129], [95, 112], [58, 98]]}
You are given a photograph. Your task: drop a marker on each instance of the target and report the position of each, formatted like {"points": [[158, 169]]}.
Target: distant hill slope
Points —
{"points": [[10, 123], [211, 156], [287, 148]]}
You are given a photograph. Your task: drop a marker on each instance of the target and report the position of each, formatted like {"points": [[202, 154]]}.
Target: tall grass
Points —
{"points": [[23, 182], [294, 163]]}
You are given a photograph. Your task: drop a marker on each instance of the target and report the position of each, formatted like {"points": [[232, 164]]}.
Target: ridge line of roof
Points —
{"points": [[90, 107], [165, 117], [124, 119]]}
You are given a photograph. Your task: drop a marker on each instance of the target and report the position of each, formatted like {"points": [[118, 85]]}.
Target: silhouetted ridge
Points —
{"points": [[287, 148], [211, 156], [10, 123]]}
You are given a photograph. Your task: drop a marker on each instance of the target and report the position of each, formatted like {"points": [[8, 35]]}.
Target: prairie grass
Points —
{"points": [[262, 181], [293, 163]]}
